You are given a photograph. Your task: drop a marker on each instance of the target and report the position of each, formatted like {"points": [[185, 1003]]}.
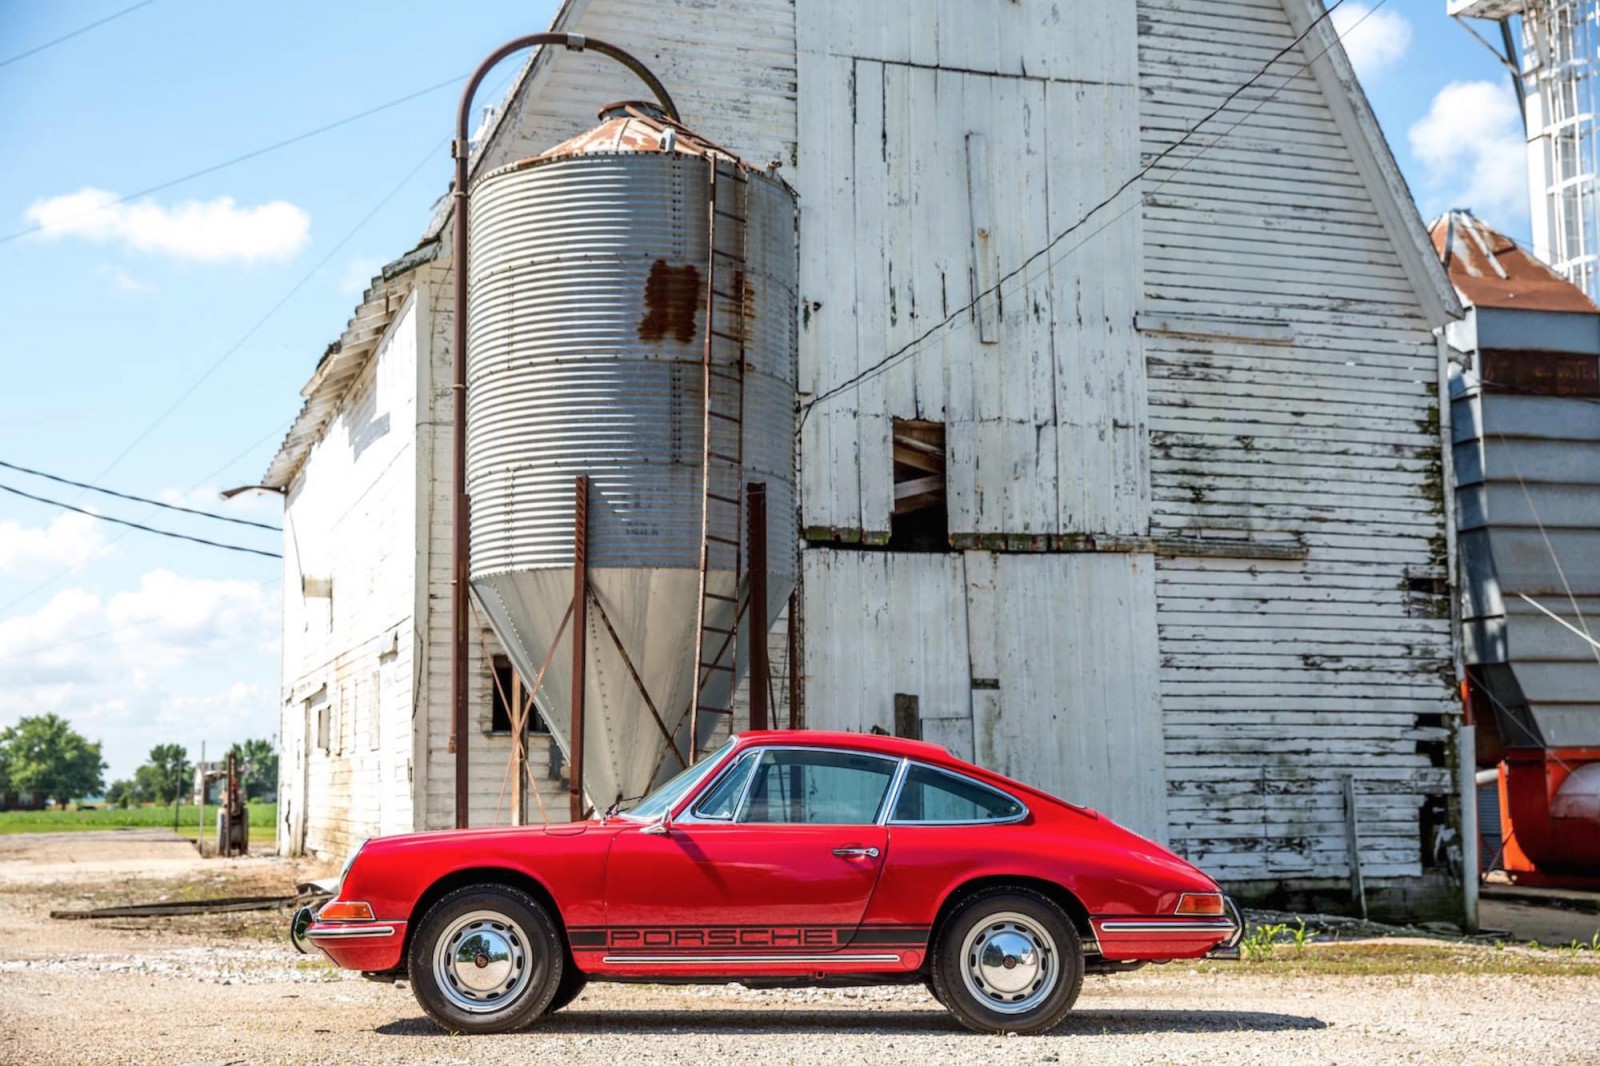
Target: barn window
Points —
{"points": [[921, 519], [506, 689]]}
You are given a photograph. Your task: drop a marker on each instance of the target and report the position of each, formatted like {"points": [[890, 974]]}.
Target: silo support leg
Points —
{"points": [[580, 640]]}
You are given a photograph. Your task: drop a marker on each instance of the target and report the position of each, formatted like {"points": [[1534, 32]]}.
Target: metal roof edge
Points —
{"points": [[1374, 160]]}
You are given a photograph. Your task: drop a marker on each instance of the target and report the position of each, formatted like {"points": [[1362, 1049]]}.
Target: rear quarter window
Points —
{"points": [[934, 796]]}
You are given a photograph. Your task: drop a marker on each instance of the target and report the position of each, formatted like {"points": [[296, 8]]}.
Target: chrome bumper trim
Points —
{"points": [[741, 960], [348, 932], [1215, 925]]}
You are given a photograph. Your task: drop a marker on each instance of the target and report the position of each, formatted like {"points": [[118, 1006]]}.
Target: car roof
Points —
{"points": [[898, 747], [877, 743]]}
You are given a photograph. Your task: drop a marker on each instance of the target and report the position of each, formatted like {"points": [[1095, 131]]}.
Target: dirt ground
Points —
{"points": [[228, 989]]}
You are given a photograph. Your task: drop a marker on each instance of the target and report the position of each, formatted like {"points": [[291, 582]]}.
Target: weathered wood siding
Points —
{"points": [[1293, 391], [347, 633], [940, 144], [1039, 665], [729, 67]]}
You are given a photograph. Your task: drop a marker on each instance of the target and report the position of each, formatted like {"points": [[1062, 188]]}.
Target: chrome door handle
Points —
{"points": [[852, 853]]}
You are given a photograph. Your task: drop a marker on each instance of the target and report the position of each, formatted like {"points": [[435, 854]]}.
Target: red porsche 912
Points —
{"points": [[782, 859]]}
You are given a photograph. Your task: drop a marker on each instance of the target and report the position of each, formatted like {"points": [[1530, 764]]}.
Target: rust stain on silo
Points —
{"points": [[671, 301]]}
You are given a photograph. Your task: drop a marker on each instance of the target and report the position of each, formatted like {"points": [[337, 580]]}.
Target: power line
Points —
{"points": [[136, 525], [296, 139], [52, 579], [910, 346], [137, 499], [69, 36]]}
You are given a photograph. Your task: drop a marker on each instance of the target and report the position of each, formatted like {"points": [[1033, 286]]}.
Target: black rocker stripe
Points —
{"points": [[746, 938]]}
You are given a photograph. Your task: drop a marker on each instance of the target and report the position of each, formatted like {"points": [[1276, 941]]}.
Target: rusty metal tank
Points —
{"points": [[588, 296]]}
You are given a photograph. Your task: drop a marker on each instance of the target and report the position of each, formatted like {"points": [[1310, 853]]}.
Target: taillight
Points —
{"points": [[1201, 904], [340, 911]]}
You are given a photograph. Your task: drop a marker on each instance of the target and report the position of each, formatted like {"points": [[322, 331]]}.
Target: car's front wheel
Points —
{"points": [[1008, 960], [486, 959]]}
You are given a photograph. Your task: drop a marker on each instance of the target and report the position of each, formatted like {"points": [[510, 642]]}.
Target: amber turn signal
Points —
{"points": [[339, 911], [1200, 903]]}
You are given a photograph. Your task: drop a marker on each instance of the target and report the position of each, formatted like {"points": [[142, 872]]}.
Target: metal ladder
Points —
{"points": [[722, 369]]}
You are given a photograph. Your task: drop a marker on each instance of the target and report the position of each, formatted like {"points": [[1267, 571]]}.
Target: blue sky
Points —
{"points": [[114, 312]]}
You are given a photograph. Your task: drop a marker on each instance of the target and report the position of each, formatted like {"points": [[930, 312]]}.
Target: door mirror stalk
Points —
{"points": [[658, 828]]}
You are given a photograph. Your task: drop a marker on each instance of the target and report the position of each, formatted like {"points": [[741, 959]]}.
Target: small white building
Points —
{"points": [[1160, 528]]}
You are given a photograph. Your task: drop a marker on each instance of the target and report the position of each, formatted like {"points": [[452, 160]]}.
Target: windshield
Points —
{"points": [[667, 796]]}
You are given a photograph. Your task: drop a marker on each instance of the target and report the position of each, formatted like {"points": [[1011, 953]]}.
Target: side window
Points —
{"points": [[817, 787], [720, 799], [931, 795]]}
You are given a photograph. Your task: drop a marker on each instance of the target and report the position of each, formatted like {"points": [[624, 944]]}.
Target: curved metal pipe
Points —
{"points": [[461, 150]]}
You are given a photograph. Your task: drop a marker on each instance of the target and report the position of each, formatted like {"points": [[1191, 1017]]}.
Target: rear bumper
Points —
{"points": [[1131, 938], [374, 946]]}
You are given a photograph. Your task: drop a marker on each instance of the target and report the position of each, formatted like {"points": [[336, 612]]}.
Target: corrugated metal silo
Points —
{"points": [[594, 270]]}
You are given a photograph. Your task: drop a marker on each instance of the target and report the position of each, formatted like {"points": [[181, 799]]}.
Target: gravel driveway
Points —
{"points": [[80, 992]]}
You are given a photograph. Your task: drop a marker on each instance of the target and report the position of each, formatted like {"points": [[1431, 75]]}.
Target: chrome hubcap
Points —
{"points": [[1009, 963], [481, 962]]}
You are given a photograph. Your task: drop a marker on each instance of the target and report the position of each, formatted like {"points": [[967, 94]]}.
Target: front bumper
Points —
{"points": [[368, 946], [1229, 948]]}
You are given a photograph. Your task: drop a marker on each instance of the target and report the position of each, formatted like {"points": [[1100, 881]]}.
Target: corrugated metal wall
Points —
{"points": [[1293, 394]]}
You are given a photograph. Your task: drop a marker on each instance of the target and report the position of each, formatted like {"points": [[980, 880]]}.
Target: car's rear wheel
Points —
{"points": [[486, 959], [1008, 960]]}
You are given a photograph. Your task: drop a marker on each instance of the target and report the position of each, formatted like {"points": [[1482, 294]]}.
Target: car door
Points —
{"points": [[778, 856]]}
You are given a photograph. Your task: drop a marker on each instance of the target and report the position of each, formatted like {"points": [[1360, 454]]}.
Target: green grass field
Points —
{"points": [[263, 821]]}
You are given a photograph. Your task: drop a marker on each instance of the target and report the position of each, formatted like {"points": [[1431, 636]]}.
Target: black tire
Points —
{"points": [[572, 985], [510, 931], [933, 989], [1004, 919]]}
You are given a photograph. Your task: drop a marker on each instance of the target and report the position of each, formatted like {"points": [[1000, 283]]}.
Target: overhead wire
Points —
{"points": [[36, 49], [136, 499], [136, 525], [911, 346], [254, 154]]}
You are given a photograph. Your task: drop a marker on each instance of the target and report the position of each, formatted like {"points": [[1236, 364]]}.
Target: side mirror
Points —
{"points": [[658, 828]]}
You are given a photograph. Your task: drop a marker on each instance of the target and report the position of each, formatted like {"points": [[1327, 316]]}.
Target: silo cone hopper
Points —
{"points": [[632, 302]]}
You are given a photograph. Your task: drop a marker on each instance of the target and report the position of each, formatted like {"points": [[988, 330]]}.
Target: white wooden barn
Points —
{"points": [[1172, 538]]}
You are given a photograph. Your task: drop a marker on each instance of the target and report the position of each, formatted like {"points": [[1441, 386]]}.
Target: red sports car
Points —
{"points": [[782, 859]]}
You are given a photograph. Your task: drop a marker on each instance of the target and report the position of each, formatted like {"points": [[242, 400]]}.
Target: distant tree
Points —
{"points": [[259, 762], [146, 785], [47, 757], [120, 794], [167, 773]]}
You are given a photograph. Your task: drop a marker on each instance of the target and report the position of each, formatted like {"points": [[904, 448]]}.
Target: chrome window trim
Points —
{"points": [[1020, 816], [692, 815], [758, 751], [892, 800]]}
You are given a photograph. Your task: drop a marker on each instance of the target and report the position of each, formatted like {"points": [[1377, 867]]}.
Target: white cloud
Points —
{"points": [[1374, 40], [358, 274], [170, 619], [1474, 151], [70, 541], [175, 659], [208, 231]]}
